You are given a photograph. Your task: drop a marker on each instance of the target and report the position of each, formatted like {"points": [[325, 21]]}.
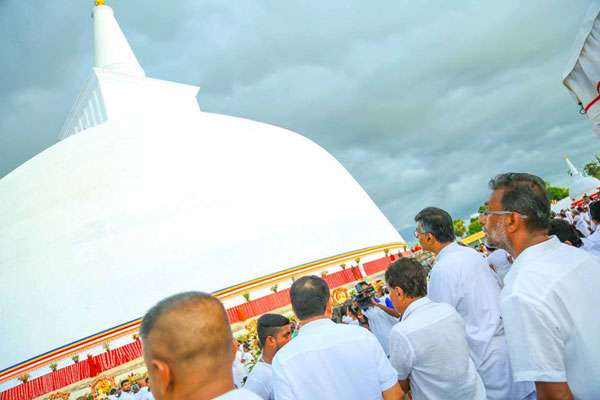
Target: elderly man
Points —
{"points": [[274, 331], [187, 349], [328, 360], [429, 347], [462, 278], [550, 299]]}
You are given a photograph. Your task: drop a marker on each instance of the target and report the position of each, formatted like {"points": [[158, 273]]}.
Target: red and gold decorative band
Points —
{"points": [[132, 326]]}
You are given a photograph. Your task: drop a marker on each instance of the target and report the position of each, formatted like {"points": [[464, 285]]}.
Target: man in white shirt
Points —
{"points": [[381, 320], [462, 278], [551, 298], [328, 360], [247, 357], [187, 349], [238, 369], [144, 393], [580, 224], [126, 392], [347, 315], [274, 331], [429, 347], [500, 261], [592, 242]]}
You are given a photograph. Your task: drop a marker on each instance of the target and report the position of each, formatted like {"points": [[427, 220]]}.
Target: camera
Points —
{"points": [[364, 294]]}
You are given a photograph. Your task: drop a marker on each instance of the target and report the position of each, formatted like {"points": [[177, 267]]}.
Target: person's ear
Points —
{"points": [[399, 292], [162, 378], [329, 308], [515, 220]]}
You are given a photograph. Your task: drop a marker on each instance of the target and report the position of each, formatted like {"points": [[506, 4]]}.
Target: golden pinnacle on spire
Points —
{"points": [[100, 2]]}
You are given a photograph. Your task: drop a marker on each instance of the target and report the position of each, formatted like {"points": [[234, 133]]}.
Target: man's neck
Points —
{"points": [[438, 247], [205, 390], [311, 319], [408, 302], [526, 240], [268, 355]]}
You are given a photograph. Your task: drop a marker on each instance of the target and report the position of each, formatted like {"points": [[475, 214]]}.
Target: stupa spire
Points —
{"points": [[113, 52], [572, 169]]}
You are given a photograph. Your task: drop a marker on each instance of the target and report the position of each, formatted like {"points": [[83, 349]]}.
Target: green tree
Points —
{"points": [[592, 169], [556, 192], [459, 228], [474, 226]]}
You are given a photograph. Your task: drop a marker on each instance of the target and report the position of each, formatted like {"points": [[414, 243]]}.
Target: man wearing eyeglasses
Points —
{"points": [[551, 298], [462, 278]]}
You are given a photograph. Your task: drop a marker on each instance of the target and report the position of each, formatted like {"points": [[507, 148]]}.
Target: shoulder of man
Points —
{"points": [[458, 255]]}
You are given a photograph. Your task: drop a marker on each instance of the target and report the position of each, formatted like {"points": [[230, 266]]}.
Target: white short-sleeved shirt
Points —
{"points": [[239, 372], [381, 323], [462, 278], [429, 346], [260, 381], [246, 357], [127, 396], [238, 394], [501, 261], [348, 320], [144, 394], [582, 226], [550, 306], [332, 361], [591, 244]]}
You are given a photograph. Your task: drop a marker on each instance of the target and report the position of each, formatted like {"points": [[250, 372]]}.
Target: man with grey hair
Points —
{"points": [[428, 347], [550, 298], [462, 278], [187, 349]]}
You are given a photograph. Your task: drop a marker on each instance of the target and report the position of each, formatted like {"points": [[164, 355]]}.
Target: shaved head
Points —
{"points": [[187, 333]]}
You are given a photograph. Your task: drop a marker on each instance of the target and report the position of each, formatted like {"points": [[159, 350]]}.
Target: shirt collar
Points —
{"points": [[446, 250], [314, 325], [415, 305], [538, 249]]}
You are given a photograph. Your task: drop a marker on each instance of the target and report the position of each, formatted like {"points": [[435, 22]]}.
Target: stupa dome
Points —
{"points": [[146, 196], [581, 185]]}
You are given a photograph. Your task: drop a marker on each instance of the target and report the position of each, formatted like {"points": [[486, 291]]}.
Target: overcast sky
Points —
{"points": [[421, 101]]}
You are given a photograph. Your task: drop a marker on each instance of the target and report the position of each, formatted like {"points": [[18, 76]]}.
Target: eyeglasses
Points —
{"points": [[487, 213], [418, 232]]}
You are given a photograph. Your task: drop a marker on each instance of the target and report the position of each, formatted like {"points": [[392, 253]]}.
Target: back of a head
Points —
{"points": [[525, 194], [409, 275], [595, 210], [189, 332], [269, 325], [309, 296], [437, 222], [564, 231]]}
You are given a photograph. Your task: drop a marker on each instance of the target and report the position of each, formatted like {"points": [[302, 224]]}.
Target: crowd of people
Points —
{"points": [[516, 323]]}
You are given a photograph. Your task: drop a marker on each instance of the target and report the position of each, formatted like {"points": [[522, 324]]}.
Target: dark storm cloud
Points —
{"points": [[421, 101]]}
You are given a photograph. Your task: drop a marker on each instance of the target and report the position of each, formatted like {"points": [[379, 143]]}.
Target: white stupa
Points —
{"points": [[146, 196], [580, 185]]}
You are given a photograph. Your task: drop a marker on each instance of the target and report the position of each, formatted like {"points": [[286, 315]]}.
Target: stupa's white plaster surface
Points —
{"points": [[147, 196]]}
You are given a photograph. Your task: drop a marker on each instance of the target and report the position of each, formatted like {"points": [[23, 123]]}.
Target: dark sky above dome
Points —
{"points": [[421, 101]]}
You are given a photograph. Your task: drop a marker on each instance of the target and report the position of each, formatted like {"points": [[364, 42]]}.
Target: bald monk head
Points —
{"points": [[187, 347]]}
